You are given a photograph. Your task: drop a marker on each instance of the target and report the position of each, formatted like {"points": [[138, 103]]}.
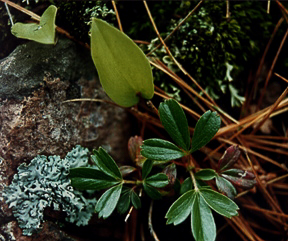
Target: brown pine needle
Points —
{"points": [[117, 16], [265, 211]]}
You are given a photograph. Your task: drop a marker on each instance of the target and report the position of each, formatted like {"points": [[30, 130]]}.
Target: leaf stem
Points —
{"points": [[130, 182], [190, 166]]}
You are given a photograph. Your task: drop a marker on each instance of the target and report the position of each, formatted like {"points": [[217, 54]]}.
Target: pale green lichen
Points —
{"points": [[45, 183]]}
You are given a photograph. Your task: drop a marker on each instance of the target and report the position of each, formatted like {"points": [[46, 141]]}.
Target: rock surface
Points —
{"points": [[35, 80]]}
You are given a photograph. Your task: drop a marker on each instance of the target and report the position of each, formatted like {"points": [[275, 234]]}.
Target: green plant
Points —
{"points": [[125, 75]]}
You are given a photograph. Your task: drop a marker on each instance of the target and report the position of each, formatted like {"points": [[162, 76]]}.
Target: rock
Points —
{"points": [[35, 81]]}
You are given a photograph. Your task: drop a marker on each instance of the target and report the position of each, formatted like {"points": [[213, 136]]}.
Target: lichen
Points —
{"points": [[44, 183]]}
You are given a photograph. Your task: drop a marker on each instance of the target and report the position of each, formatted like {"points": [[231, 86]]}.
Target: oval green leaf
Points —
{"points": [[206, 127], [175, 123], [108, 201], [202, 222], [44, 32], [123, 69], [160, 150]]}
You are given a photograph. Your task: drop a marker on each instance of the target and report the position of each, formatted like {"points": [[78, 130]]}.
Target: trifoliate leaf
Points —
{"points": [[160, 150], [146, 169], [219, 203], [206, 174], [158, 180], [108, 201], [106, 163], [206, 127], [85, 178], [181, 208], [151, 191], [202, 221], [175, 123]]}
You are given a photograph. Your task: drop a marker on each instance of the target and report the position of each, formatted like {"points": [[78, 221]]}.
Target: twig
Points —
{"points": [[172, 57], [271, 69], [271, 110], [268, 6], [227, 9], [9, 14], [150, 225], [117, 16]]}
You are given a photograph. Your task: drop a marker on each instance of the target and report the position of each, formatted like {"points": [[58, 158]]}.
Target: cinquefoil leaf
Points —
{"points": [[86, 178], [175, 123], [123, 69], [202, 221], [106, 163], [206, 127], [108, 201], [160, 150], [219, 203], [158, 180], [181, 208]]}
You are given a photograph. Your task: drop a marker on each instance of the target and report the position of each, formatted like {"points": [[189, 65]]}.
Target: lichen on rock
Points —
{"points": [[45, 183]]}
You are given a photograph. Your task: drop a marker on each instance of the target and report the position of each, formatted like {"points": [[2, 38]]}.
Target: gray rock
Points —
{"points": [[35, 80]]}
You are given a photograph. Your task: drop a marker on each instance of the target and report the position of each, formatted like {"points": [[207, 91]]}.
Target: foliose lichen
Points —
{"points": [[45, 183]]}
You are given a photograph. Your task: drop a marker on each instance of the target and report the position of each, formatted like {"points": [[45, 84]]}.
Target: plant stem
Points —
{"points": [[130, 182], [192, 174]]}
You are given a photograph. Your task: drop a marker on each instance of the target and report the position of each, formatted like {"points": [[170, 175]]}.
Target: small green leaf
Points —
{"points": [[206, 174], [151, 191], [175, 123], [202, 222], [186, 186], [106, 163], [219, 203], [124, 202], [160, 150], [146, 169], [158, 180], [108, 201], [135, 200], [44, 32], [225, 186], [123, 68], [181, 208], [206, 127], [85, 178]]}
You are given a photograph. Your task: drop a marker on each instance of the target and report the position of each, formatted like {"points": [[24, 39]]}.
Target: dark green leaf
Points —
{"points": [[123, 68], [146, 169], [219, 203], [124, 202], [152, 192], [160, 150], [108, 201], [158, 180], [86, 178], [44, 32], [181, 208], [206, 174], [202, 221], [135, 200], [175, 123], [186, 186], [225, 186], [106, 163], [229, 158], [206, 127]]}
